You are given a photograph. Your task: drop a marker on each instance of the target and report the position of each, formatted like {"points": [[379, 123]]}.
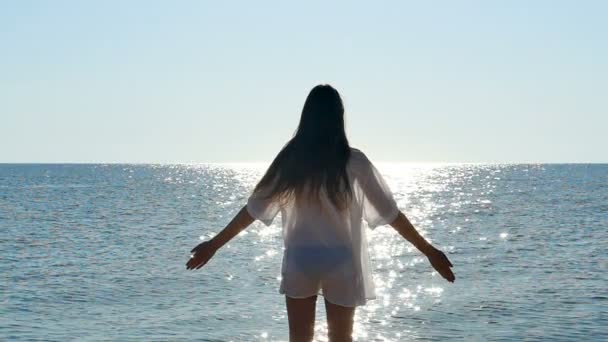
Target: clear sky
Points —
{"points": [[225, 81]]}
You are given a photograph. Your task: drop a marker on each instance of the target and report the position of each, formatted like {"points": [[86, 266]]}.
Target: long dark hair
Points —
{"points": [[316, 155]]}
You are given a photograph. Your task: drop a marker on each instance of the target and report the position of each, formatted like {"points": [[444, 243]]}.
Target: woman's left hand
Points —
{"points": [[441, 264], [202, 253]]}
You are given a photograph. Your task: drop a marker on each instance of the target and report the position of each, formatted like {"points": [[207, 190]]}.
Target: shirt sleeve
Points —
{"points": [[379, 206], [262, 208]]}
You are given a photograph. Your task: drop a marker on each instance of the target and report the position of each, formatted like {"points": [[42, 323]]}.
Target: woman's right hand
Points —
{"points": [[202, 253], [441, 264]]}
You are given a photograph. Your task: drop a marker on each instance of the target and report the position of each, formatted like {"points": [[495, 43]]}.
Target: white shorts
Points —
{"points": [[309, 271]]}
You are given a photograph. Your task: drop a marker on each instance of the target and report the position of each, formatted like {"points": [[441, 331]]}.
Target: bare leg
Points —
{"points": [[301, 315], [340, 321]]}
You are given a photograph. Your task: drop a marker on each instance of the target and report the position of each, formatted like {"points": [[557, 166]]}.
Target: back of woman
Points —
{"points": [[325, 245], [324, 190]]}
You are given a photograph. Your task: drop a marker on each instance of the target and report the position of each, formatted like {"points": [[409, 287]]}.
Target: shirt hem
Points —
{"points": [[383, 221], [320, 293], [256, 216]]}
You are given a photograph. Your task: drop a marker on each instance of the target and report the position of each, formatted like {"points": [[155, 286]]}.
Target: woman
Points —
{"points": [[323, 189]]}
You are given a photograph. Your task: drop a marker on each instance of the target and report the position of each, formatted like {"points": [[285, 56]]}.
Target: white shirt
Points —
{"points": [[326, 250]]}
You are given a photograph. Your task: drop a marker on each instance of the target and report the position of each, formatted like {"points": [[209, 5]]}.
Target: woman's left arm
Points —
{"points": [[205, 250]]}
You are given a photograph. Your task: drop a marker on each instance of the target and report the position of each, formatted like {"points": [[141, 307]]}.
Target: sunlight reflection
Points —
{"points": [[435, 290], [400, 272]]}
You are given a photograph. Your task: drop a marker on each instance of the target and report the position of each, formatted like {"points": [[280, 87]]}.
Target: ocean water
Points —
{"points": [[98, 253]]}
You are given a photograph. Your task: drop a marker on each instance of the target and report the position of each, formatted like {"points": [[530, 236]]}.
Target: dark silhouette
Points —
{"points": [[316, 155], [316, 158]]}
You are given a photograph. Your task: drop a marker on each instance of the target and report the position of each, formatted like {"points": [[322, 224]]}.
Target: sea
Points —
{"points": [[98, 252]]}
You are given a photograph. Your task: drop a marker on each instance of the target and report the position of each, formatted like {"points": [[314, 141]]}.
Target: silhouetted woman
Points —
{"points": [[324, 189]]}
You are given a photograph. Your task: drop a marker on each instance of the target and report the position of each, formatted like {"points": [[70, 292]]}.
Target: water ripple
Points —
{"points": [[97, 252]]}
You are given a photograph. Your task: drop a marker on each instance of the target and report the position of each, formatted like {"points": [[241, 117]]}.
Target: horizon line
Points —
{"points": [[268, 162]]}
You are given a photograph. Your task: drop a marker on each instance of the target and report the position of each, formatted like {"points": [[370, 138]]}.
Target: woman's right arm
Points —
{"points": [[438, 260], [204, 251], [380, 208]]}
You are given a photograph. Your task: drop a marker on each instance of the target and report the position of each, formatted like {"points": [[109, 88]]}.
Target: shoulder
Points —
{"points": [[356, 153], [358, 160]]}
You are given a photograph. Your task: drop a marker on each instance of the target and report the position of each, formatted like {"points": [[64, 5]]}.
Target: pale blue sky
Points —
{"points": [[225, 81]]}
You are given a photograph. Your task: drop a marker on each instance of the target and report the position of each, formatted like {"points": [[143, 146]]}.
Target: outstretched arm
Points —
{"points": [[436, 257], [205, 250], [241, 221], [380, 197]]}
